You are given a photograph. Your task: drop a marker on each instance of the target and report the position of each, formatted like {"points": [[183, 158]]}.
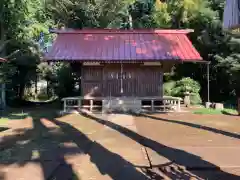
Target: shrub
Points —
{"points": [[195, 98], [178, 89], [186, 84], [167, 88]]}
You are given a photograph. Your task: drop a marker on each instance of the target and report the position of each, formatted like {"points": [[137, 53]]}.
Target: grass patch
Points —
{"points": [[13, 116], [3, 121], [215, 112], [7, 116]]}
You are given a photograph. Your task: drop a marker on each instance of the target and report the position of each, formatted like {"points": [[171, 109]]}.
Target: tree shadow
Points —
{"points": [[36, 146], [3, 129], [194, 164], [2, 176], [229, 114], [44, 145], [106, 161], [202, 127]]}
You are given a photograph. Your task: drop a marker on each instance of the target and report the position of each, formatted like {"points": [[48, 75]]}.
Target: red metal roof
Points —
{"points": [[122, 45], [2, 59]]}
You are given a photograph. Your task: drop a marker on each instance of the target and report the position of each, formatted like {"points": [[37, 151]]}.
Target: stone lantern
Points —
{"points": [[186, 99]]}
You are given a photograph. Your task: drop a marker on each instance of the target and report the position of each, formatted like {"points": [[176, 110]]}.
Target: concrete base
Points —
{"points": [[122, 104], [208, 105]]}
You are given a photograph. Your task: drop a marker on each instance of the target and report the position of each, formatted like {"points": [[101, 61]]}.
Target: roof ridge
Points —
{"points": [[121, 31]]}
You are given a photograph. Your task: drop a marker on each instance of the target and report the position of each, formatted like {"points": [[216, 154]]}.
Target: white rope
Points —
{"points": [[121, 77]]}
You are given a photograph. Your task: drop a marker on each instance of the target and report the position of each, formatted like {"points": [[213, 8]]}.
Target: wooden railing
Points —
{"points": [[154, 104]]}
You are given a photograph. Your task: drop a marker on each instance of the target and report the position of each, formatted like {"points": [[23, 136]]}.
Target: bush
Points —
{"points": [[178, 88], [167, 88], [186, 84], [195, 98]]}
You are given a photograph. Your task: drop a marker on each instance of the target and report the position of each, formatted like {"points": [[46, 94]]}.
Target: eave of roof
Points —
{"points": [[2, 60]]}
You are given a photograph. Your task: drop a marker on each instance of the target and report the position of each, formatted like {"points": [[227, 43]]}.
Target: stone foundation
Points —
{"points": [[122, 105]]}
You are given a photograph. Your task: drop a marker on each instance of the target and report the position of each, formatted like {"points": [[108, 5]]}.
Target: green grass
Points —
{"points": [[3, 121], [5, 117], [214, 111]]}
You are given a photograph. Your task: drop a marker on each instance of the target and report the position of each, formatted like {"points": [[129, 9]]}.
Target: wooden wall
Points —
{"points": [[138, 80]]}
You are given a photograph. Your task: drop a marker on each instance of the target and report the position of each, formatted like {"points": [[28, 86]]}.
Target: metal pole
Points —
{"points": [[208, 83]]}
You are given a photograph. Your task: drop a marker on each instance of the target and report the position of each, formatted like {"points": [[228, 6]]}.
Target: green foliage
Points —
{"points": [[178, 88], [22, 21], [63, 81], [187, 85], [195, 98], [168, 87], [214, 111]]}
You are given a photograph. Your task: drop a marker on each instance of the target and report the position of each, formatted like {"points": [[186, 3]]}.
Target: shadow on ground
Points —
{"points": [[3, 129], [44, 144], [195, 165], [229, 114], [197, 126], [36, 145]]}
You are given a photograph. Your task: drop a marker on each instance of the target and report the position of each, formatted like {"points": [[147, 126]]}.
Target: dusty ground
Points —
{"points": [[121, 147], [201, 143]]}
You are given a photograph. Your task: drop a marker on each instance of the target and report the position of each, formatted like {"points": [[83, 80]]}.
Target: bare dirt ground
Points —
{"points": [[45, 146], [207, 146]]}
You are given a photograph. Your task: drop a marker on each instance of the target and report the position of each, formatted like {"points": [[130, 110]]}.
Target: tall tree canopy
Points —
{"points": [[22, 21]]}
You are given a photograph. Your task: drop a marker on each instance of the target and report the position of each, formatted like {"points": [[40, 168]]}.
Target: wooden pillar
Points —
{"points": [[91, 105], [64, 105], [77, 70], [152, 105]]}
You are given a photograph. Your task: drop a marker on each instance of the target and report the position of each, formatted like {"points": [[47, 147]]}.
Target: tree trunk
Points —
{"points": [[238, 105], [238, 97], [2, 41], [21, 90], [48, 89]]}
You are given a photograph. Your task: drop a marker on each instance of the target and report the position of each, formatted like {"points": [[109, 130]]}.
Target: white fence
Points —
{"points": [[153, 104]]}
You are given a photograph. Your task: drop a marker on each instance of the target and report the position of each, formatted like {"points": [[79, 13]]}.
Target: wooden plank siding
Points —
{"points": [[92, 81], [138, 80]]}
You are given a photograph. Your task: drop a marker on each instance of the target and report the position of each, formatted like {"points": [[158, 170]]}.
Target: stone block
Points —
{"points": [[208, 105], [122, 104], [219, 106]]}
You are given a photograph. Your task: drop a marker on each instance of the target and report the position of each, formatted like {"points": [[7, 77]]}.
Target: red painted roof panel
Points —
{"points": [[124, 45], [2, 60]]}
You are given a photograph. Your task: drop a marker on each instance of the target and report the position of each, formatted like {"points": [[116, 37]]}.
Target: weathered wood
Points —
{"points": [[112, 97], [91, 105], [137, 80], [152, 105], [64, 105]]}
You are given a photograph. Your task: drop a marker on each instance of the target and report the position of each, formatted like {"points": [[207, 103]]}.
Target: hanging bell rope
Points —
{"points": [[121, 78], [231, 18]]}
